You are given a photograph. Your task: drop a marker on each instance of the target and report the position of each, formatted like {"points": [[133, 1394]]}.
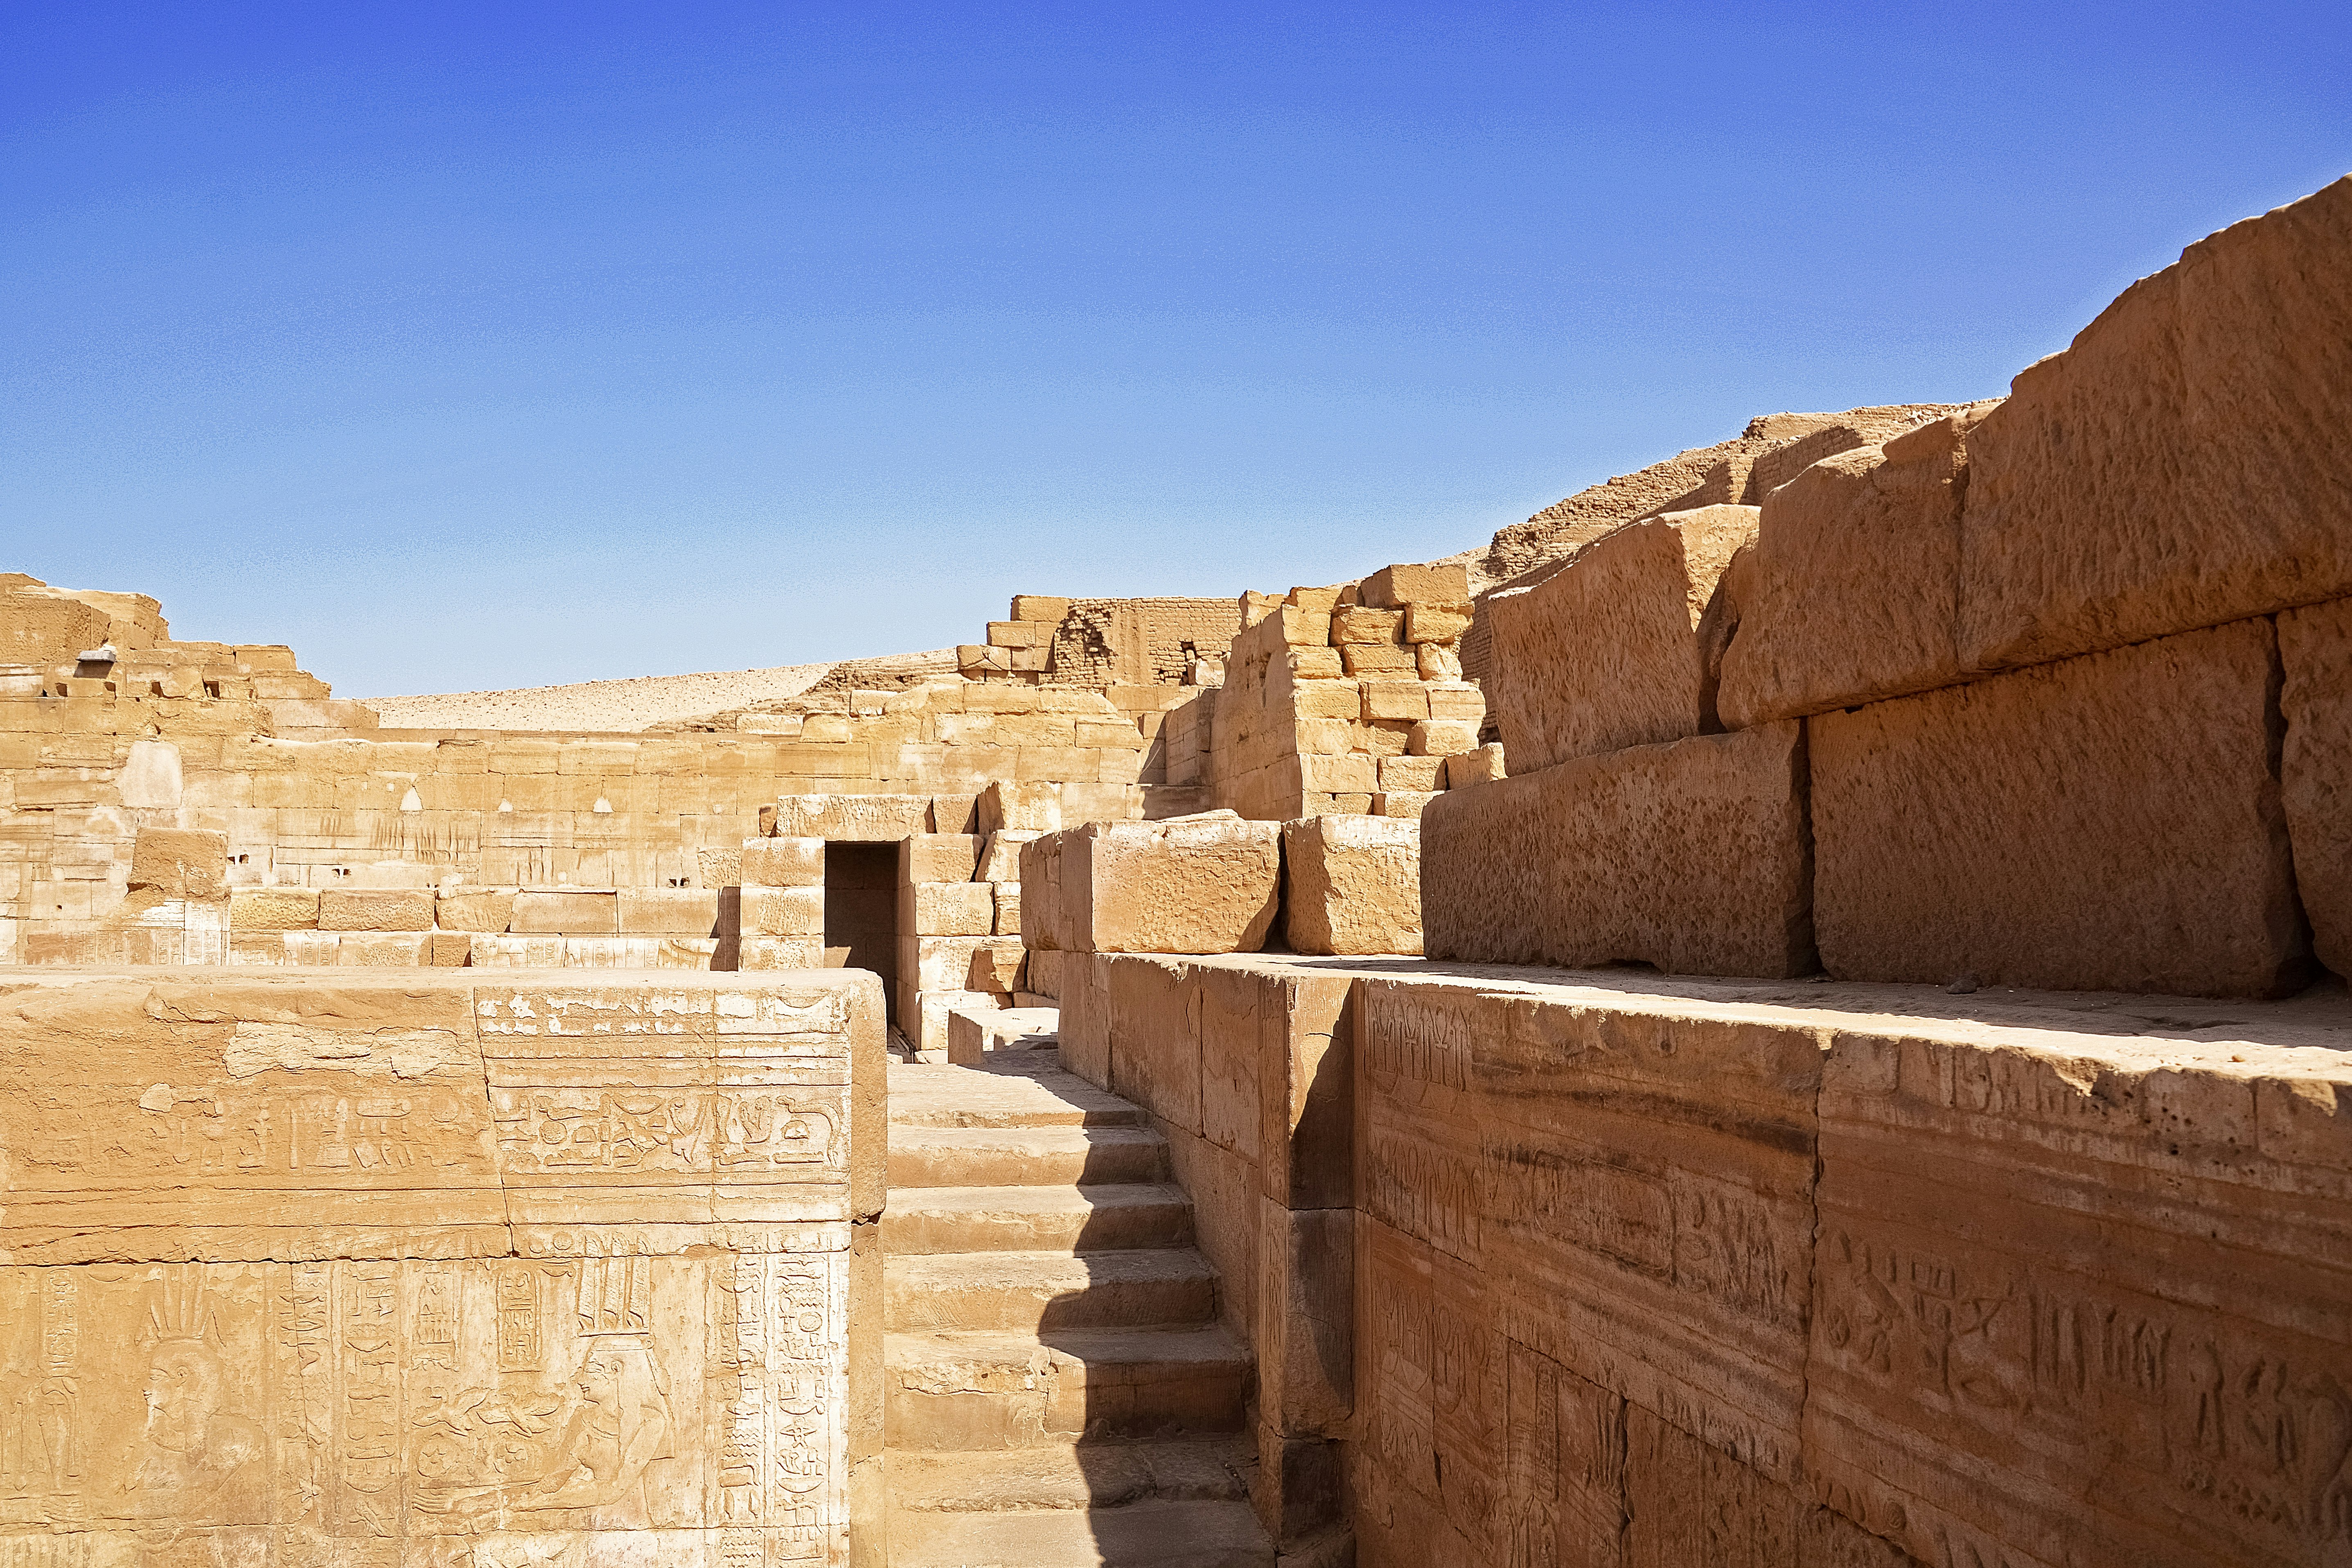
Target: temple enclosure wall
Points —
{"points": [[379, 1269], [1594, 1270]]}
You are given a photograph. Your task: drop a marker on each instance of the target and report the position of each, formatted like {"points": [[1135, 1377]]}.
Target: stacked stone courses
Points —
{"points": [[2027, 666]]}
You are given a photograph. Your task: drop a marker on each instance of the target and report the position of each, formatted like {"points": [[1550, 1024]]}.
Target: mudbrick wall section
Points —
{"points": [[1587, 1271]]}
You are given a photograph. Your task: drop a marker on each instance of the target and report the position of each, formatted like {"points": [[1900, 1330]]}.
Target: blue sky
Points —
{"points": [[491, 344]]}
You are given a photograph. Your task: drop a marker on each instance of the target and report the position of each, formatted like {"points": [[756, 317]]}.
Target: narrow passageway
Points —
{"points": [[1059, 1391]]}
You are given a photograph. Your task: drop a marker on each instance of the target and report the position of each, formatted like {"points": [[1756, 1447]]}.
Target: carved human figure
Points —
{"points": [[195, 1460], [620, 1424]]}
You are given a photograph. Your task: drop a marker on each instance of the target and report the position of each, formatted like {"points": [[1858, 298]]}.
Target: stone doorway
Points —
{"points": [[861, 909]]}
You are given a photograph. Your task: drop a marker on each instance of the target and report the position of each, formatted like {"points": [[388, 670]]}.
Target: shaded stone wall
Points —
{"points": [[1698, 1272], [383, 1268]]}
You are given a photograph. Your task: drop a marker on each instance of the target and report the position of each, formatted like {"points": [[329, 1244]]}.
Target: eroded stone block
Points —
{"points": [[2107, 823], [1352, 885], [1196, 885], [1692, 856]]}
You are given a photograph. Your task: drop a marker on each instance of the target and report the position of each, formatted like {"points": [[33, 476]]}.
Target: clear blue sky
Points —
{"points": [[491, 344]]}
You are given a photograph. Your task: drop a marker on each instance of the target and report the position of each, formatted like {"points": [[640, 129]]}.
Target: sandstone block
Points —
{"points": [[344, 909], [669, 911], [1457, 700], [1039, 607], [1442, 737], [1200, 884], [1401, 804], [542, 911], [1045, 971], [1360, 623], [449, 950], [1378, 661], [1301, 628], [1438, 661], [1691, 856], [272, 910], [1322, 601], [1008, 907], [2183, 463], [1430, 624], [719, 868], [1001, 860], [946, 909], [1018, 634], [1851, 593], [536, 952], [853, 818], [1406, 699], [2316, 647], [383, 948], [973, 1032], [181, 863], [1336, 774], [1340, 699], [1424, 775], [982, 659], [1482, 766], [2107, 823], [782, 911], [925, 1022], [1315, 664], [776, 862], [938, 857], [2149, 1262], [1444, 585], [1352, 885], [487, 911], [1029, 807], [1612, 651], [780, 952]]}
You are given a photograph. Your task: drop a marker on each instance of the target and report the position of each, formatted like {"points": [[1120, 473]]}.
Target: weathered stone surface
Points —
{"points": [[669, 911], [2084, 1300], [272, 909], [777, 862], [946, 909], [2184, 463], [1198, 884], [2315, 770], [382, 1227], [853, 818], [341, 909], [1613, 652], [488, 912], [546, 910], [2107, 823], [1850, 592], [939, 857], [1693, 856], [181, 863], [1351, 884], [783, 911]]}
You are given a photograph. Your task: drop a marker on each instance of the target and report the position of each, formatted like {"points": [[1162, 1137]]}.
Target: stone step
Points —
{"points": [[1024, 1156], [1002, 1390], [1035, 1290], [1142, 1535], [1065, 1475], [923, 1095], [1036, 1219]]}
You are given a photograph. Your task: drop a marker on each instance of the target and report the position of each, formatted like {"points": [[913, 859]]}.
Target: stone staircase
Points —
{"points": [[1058, 1389]]}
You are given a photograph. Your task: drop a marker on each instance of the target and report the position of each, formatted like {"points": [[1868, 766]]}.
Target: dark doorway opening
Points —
{"points": [[861, 909]]}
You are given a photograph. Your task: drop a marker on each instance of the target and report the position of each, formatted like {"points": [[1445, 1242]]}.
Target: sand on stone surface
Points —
{"points": [[607, 705]]}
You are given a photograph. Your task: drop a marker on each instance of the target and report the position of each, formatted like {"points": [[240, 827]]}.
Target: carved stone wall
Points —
{"points": [[1650, 1271], [407, 1270]]}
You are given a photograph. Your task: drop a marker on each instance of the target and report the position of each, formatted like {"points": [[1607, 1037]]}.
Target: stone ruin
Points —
{"points": [[1788, 1012]]}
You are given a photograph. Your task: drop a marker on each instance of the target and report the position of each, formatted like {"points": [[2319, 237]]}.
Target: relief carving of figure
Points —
{"points": [[195, 1459], [619, 1425]]}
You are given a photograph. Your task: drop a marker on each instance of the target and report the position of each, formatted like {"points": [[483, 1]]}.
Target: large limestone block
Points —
{"points": [[345, 909], [1631, 1178], [2184, 463], [938, 857], [2106, 823], [1444, 585], [1613, 652], [1692, 856], [1351, 884], [272, 910], [2315, 771], [2082, 1298], [488, 912], [181, 863], [667, 912], [853, 818], [541, 912], [771, 862], [1851, 593], [946, 909], [782, 911], [1198, 884]]}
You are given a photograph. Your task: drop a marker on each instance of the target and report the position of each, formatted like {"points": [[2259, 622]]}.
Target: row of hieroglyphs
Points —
{"points": [[405, 1272]]}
